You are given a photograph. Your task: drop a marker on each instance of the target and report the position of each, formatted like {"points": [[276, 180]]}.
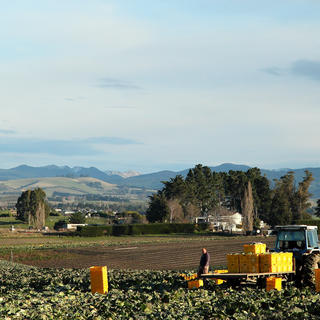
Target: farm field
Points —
{"points": [[141, 252], [35, 293]]}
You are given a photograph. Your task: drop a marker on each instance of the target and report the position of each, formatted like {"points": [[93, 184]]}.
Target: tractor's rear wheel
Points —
{"points": [[310, 262]]}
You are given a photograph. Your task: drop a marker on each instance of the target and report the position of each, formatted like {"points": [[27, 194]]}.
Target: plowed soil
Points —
{"points": [[157, 256]]}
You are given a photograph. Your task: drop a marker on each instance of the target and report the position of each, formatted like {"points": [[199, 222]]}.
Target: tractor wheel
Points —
{"points": [[310, 262]]}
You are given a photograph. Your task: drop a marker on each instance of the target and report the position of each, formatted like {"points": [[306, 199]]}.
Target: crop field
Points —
{"points": [[140, 252], [35, 293]]}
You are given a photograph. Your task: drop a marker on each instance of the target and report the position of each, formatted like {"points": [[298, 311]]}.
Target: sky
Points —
{"points": [[155, 85]]}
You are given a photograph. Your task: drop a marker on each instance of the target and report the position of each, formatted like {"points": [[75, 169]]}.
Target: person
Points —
{"points": [[204, 262]]}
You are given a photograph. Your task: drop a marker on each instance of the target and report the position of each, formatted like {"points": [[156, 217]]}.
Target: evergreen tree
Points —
{"points": [[282, 201], [158, 210], [77, 217], [280, 209]]}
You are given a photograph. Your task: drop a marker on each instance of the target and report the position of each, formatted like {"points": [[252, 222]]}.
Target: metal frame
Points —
{"points": [[244, 276]]}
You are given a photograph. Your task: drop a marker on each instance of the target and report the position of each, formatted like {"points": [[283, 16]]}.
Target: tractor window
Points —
{"points": [[286, 235], [312, 238], [284, 245]]}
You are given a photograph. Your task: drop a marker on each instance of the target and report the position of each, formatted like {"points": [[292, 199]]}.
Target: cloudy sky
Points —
{"points": [[151, 85]]}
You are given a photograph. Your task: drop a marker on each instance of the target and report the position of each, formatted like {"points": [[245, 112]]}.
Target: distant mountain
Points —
{"points": [[24, 172], [126, 174], [147, 181], [150, 180]]}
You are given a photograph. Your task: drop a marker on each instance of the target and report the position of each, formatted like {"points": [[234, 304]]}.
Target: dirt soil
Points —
{"points": [[157, 256]]}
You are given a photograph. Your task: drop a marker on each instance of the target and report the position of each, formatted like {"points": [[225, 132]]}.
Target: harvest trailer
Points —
{"points": [[235, 278], [299, 240]]}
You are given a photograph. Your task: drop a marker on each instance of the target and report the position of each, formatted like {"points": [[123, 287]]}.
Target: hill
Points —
{"points": [[51, 185], [143, 181]]}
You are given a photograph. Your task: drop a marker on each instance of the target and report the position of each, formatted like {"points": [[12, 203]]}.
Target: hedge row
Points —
{"points": [[136, 229], [94, 231]]}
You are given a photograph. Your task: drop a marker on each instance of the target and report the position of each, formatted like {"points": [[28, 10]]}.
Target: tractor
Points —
{"points": [[303, 242]]}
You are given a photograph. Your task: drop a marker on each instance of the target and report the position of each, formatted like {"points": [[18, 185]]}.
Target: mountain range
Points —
{"points": [[145, 181]]}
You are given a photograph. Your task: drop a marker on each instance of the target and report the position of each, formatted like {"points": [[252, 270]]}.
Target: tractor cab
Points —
{"points": [[299, 239]]}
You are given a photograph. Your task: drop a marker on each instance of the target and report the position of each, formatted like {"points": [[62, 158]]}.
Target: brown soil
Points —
{"points": [[158, 256]]}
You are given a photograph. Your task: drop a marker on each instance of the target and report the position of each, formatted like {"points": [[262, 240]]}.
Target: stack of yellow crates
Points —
{"points": [[220, 281], [233, 262], [287, 261], [249, 263], [273, 283], [276, 262], [317, 275], [255, 259]]}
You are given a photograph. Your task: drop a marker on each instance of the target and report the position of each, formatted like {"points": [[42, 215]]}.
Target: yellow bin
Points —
{"points": [[220, 281], [195, 284], [274, 283], [233, 260], [99, 279]]}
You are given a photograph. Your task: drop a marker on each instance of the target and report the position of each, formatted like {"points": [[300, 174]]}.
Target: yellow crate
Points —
{"points": [[233, 262], [221, 271], [99, 279], [255, 248], [270, 262], [220, 281], [288, 256], [191, 277], [243, 263], [195, 284], [273, 283], [249, 263], [317, 276], [254, 268]]}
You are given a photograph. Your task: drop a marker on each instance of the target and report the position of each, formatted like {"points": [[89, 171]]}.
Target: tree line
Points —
{"points": [[204, 192]]}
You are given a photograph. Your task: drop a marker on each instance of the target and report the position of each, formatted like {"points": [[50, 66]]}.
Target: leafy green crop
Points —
{"points": [[31, 293]]}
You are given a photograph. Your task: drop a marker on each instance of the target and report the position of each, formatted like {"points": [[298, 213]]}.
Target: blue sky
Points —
{"points": [[151, 85]]}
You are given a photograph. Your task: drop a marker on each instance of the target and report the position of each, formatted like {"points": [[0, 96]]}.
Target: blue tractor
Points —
{"points": [[303, 242]]}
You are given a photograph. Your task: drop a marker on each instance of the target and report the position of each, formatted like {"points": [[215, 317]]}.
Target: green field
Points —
{"points": [[49, 293], [7, 222], [31, 293]]}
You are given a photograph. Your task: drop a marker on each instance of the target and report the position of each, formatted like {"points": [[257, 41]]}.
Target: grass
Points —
{"points": [[7, 222]]}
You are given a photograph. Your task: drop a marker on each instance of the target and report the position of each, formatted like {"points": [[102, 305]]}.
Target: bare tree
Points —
{"points": [[247, 208], [191, 211], [175, 210]]}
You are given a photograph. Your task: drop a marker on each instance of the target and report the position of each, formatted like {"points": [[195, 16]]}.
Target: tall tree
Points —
{"points": [[247, 208], [301, 197], [158, 210], [175, 193], [282, 201], [280, 209], [32, 207]]}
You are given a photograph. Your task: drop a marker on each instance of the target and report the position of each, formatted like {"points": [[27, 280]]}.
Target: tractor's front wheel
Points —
{"points": [[310, 262]]}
